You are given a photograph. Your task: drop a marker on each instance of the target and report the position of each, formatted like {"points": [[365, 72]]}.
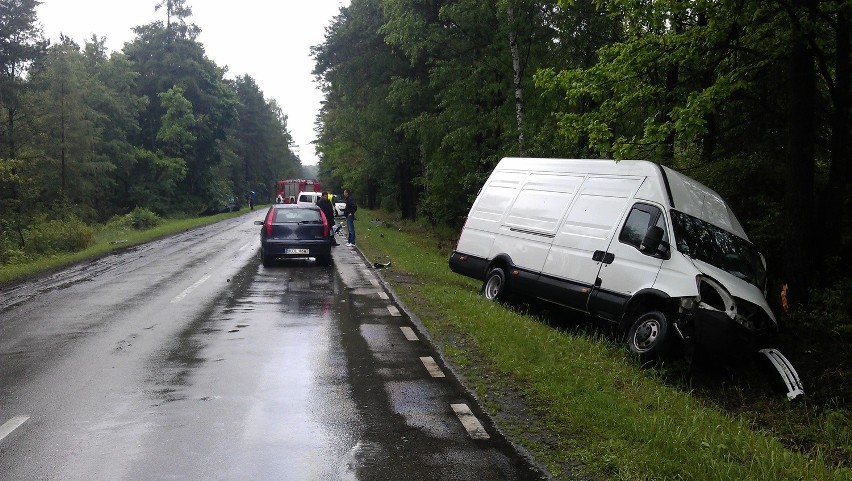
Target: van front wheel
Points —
{"points": [[648, 336], [494, 287]]}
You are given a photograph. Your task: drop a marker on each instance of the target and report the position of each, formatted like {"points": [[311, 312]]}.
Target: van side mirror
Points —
{"points": [[653, 243]]}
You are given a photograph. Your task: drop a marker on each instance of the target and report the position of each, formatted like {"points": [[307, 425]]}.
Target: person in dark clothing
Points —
{"points": [[328, 210], [349, 213]]}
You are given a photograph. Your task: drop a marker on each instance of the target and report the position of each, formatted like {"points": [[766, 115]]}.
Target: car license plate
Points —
{"points": [[297, 251]]}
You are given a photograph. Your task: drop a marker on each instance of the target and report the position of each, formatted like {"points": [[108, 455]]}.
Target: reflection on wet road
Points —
{"points": [[186, 359]]}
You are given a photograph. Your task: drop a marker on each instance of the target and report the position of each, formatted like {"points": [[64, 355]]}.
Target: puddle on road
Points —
{"points": [[363, 455]]}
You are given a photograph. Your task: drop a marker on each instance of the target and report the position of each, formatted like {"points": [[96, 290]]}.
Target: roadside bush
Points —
{"points": [[54, 236], [10, 253], [140, 218]]}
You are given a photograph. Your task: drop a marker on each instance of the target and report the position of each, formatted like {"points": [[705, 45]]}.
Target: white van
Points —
{"points": [[308, 198], [631, 242]]}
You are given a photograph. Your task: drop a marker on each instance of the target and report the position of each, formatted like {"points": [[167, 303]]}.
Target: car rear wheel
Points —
{"points": [[324, 260], [265, 259], [494, 287]]}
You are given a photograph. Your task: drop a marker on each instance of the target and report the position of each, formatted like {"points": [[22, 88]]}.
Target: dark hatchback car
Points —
{"points": [[294, 231]]}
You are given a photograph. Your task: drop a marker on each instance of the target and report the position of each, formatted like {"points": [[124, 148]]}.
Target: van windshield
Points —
{"points": [[718, 247]]}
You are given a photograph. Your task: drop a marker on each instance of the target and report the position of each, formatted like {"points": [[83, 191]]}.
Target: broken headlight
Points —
{"points": [[712, 296]]}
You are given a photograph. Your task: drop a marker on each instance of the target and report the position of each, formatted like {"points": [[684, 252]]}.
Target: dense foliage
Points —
{"points": [[87, 134], [752, 98]]}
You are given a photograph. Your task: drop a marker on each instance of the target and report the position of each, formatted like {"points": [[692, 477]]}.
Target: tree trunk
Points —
{"points": [[62, 138], [799, 198], [516, 77], [372, 194], [836, 195], [406, 191], [10, 124]]}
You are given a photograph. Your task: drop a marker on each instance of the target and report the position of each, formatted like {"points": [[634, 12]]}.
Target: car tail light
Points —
{"points": [[325, 226], [269, 216]]}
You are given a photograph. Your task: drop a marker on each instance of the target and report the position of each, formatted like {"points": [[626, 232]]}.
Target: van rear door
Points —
{"points": [[483, 221], [579, 247]]}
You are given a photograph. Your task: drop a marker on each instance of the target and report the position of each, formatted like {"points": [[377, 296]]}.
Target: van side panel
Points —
{"points": [[570, 270], [542, 202], [530, 224]]}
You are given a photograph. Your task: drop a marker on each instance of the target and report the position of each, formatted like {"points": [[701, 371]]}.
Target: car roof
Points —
{"points": [[295, 206]]}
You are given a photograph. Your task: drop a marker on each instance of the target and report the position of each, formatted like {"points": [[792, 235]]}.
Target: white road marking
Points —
{"points": [[409, 333], [383, 295], [394, 311], [432, 367], [11, 425], [246, 246], [375, 282], [189, 289], [471, 424]]}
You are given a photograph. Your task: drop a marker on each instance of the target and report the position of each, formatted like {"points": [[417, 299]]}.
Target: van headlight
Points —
{"points": [[687, 304], [712, 296]]}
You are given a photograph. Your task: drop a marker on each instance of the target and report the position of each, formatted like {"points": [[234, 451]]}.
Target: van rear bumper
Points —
{"points": [[468, 265]]}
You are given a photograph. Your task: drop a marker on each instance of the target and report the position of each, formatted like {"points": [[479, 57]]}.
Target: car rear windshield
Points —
{"points": [[297, 215]]}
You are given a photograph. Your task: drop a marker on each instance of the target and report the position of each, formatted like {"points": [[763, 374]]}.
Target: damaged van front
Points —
{"points": [[726, 309]]}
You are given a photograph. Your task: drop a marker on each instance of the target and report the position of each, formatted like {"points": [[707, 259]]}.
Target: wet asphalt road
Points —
{"points": [[186, 359]]}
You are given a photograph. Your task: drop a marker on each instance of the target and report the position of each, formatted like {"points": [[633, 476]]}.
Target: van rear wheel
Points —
{"points": [[494, 287], [648, 336]]}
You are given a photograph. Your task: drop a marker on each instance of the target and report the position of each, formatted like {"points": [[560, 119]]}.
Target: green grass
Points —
{"points": [[107, 241], [587, 405]]}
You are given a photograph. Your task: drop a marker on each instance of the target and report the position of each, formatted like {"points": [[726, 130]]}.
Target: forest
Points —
{"points": [[752, 98], [87, 135]]}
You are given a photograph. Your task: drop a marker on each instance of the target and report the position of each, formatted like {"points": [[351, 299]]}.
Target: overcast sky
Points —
{"points": [[268, 39]]}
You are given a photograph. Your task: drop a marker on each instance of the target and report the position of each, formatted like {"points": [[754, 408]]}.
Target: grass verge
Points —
{"points": [[107, 241], [575, 401]]}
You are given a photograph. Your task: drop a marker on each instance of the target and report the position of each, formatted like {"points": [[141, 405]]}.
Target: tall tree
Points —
{"points": [[261, 141], [21, 44], [176, 136], [164, 60], [60, 84], [801, 136], [112, 95], [177, 13], [360, 142], [840, 94], [514, 50]]}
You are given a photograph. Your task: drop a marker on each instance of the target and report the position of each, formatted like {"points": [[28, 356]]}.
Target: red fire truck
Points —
{"points": [[288, 190]]}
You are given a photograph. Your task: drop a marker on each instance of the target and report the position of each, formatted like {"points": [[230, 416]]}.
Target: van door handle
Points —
{"points": [[605, 257]]}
